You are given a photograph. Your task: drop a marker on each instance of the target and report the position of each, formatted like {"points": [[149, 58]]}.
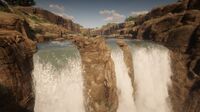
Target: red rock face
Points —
{"points": [[16, 64]]}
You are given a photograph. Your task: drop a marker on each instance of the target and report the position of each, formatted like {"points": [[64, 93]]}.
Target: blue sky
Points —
{"points": [[95, 13]]}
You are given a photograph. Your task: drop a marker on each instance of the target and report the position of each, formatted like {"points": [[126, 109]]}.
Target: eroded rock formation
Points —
{"points": [[16, 64], [99, 75]]}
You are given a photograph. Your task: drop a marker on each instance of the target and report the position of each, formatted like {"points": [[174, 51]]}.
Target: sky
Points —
{"points": [[95, 13]]}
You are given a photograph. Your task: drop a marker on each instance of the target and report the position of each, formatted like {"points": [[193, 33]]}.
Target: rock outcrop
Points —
{"points": [[99, 75], [16, 64]]}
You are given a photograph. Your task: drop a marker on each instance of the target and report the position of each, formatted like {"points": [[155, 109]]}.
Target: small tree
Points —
{"points": [[131, 18]]}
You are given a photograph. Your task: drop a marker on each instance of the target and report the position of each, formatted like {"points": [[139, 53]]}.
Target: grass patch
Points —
{"points": [[38, 19]]}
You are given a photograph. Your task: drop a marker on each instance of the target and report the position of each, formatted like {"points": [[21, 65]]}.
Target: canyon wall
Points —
{"points": [[16, 64], [53, 18], [115, 30], [177, 26]]}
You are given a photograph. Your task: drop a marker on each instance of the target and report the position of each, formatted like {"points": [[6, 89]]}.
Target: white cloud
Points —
{"points": [[60, 10], [64, 15], [137, 13], [112, 16]]}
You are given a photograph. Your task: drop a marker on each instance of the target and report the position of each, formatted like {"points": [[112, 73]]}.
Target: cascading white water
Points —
{"points": [[124, 86], [152, 77], [58, 88], [59, 83], [152, 72]]}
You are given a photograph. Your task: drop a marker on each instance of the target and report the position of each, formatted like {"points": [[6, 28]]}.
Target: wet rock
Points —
{"points": [[181, 84], [127, 52], [193, 100]]}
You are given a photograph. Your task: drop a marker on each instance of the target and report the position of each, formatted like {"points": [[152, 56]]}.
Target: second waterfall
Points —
{"points": [[152, 73]]}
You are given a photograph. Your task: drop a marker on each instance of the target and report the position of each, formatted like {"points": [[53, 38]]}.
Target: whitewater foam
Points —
{"points": [[152, 77], [58, 90], [124, 85]]}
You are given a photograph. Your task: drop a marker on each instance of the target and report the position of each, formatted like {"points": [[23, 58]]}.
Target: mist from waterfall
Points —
{"points": [[124, 85], [58, 88]]}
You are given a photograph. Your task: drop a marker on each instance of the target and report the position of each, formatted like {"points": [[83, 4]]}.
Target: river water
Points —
{"points": [[58, 78]]}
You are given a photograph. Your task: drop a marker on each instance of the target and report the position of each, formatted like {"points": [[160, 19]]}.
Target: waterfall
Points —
{"points": [[125, 89], [58, 88], [152, 77], [152, 72]]}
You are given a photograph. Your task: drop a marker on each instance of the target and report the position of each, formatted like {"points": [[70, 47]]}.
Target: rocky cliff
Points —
{"points": [[46, 25], [99, 75], [177, 26], [16, 64], [115, 30], [51, 17]]}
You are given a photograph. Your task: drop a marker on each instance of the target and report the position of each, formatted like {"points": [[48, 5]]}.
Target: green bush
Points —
{"points": [[130, 18]]}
